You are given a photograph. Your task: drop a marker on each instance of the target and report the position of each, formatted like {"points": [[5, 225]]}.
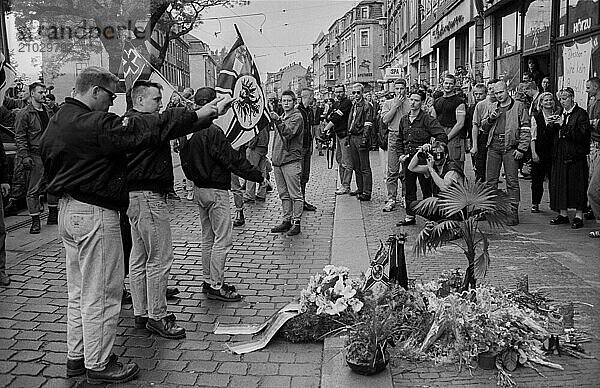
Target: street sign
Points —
{"points": [[393, 73]]}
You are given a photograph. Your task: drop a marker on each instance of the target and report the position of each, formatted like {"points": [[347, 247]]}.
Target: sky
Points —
{"points": [[289, 28]]}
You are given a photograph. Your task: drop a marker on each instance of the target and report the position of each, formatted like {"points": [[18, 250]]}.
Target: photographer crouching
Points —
{"points": [[442, 170]]}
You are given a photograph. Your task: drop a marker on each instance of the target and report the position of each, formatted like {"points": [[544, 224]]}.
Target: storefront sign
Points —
{"points": [[426, 48], [393, 73], [580, 16], [576, 62], [451, 23]]}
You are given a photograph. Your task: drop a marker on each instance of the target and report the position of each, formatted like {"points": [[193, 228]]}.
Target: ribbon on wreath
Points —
{"points": [[390, 255]]}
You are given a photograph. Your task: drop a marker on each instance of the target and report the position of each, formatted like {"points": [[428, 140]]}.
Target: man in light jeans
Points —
{"points": [[508, 140], [391, 113], [149, 180]]}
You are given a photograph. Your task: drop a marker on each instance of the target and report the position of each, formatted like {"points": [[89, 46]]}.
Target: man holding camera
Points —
{"points": [[443, 172], [338, 121], [416, 129], [508, 139]]}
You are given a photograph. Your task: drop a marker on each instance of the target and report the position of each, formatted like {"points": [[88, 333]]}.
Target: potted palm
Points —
{"points": [[462, 208]]}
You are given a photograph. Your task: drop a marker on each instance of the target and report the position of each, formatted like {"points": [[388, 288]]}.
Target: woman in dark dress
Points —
{"points": [[543, 129], [569, 176]]}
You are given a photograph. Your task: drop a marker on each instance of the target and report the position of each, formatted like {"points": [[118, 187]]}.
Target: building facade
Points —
{"points": [[203, 68], [482, 39], [352, 50], [292, 77]]}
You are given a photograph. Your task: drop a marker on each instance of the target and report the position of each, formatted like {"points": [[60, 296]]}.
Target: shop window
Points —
{"points": [[537, 25], [508, 34], [578, 16], [364, 38]]}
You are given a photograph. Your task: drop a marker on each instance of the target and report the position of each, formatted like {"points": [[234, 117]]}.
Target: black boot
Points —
{"points": [[52, 215], [283, 227], [239, 218], [295, 229], [35, 225]]}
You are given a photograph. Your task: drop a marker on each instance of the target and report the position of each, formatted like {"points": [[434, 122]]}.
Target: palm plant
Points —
{"points": [[462, 208]]}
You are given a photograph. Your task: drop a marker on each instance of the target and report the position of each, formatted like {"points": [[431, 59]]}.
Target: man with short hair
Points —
{"points": [[84, 150], [593, 91], [416, 129], [287, 163], [30, 124], [392, 112], [338, 121], [450, 110], [532, 91], [209, 161], [478, 133], [149, 180], [304, 106], [359, 130], [507, 141]]}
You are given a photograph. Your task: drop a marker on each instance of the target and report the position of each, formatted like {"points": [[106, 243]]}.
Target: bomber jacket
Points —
{"points": [[360, 120], [28, 130], [287, 142], [413, 135], [339, 117], [208, 160], [85, 152], [150, 168], [517, 130]]}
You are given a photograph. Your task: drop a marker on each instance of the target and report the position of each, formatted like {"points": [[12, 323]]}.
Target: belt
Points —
{"points": [[500, 136]]}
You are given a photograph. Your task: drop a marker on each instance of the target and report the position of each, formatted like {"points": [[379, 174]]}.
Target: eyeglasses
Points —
{"points": [[355, 92], [111, 94]]}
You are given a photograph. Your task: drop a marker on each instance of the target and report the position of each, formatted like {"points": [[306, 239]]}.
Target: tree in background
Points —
{"points": [[76, 26]]}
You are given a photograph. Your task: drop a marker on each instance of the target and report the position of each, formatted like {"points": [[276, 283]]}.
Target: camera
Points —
{"points": [[324, 138], [423, 155]]}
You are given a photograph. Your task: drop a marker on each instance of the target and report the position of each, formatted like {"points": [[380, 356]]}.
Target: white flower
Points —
{"points": [[356, 304]]}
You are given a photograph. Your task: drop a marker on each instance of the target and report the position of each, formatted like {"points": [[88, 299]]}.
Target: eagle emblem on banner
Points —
{"points": [[239, 79]]}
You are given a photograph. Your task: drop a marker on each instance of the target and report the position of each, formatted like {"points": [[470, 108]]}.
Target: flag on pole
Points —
{"points": [[240, 80], [133, 64], [7, 77]]}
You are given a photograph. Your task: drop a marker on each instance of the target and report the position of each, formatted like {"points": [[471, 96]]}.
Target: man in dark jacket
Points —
{"points": [[256, 153], [359, 131], [30, 124], [4, 189], [209, 160], [338, 121], [149, 180], [416, 129], [306, 98], [84, 150]]}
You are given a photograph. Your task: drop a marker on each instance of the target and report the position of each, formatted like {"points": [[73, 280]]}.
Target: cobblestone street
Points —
{"points": [[269, 271]]}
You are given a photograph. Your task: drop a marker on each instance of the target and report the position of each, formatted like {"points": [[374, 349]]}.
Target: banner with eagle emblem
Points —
{"points": [[239, 80], [7, 76]]}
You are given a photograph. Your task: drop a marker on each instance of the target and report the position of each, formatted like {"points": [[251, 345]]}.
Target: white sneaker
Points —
{"points": [[190, 196], [389, 205]]}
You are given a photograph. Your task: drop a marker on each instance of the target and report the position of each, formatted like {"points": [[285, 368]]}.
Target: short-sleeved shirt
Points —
{"points": [[480, 112], [404, 108]]}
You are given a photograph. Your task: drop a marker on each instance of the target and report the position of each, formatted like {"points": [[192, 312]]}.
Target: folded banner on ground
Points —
{"points": [[239, 80]]}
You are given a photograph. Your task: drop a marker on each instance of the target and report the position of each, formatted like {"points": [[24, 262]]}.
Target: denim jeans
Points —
{"points": [[94, 265], [34, 178], [215, 221], [287, 178], [410, 180], [361, 165], [393, 171], [259, 161], [497, 156], [594, 158], [342, 157], [593, 191], [238, 193], [151, 253]]}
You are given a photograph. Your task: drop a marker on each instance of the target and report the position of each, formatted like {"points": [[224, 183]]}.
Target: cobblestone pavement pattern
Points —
{"points": [[270, 270]]}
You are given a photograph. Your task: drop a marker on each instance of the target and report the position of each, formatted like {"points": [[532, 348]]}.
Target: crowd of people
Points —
{"points": [[108, 178]]}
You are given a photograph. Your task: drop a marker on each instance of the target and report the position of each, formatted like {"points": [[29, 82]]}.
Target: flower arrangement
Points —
{"points": [[331, 292]]}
